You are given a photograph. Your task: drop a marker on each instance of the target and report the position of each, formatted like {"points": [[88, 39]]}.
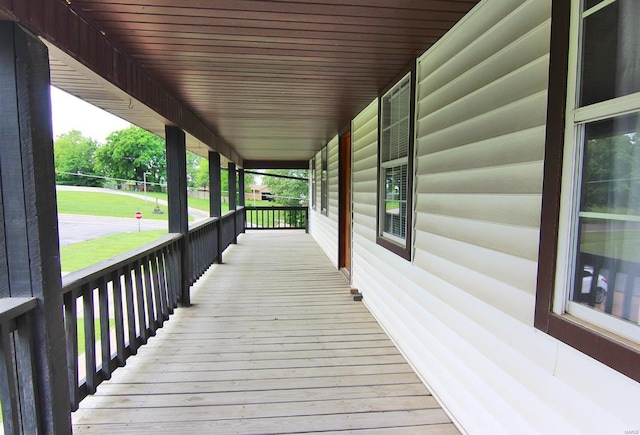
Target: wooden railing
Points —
{"points": [[203, 246], [227, 229], [617, 299], [17, 390], [110, 310], [125, 299], [276, 217]]}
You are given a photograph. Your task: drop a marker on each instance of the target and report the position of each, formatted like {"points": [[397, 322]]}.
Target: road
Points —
{"points": [[75, 228], [79, 228]]}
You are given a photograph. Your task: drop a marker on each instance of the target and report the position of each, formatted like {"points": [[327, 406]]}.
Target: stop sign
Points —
{"points": [[138, 215]]}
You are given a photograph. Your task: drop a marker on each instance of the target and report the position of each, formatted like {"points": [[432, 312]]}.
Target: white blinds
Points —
{"points": [[396, 110]]}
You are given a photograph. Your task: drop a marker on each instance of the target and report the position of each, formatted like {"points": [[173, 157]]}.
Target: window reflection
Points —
{"points": [[610, 52], [607, 275]]}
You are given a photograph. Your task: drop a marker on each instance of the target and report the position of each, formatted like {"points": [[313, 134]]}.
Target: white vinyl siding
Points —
{"points": [[325, 228], [318, 159], [462, 310], [364, 135], [480, 144], [333, 165]]}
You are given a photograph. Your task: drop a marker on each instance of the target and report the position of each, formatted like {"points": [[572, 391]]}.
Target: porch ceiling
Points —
{"points": [[276, 79]]}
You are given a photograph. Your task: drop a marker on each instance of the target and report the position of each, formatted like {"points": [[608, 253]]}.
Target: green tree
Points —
{"points": [[194, 162], [287, 191], [74, 155], [131, 152], [202, 177], [611, 180]]}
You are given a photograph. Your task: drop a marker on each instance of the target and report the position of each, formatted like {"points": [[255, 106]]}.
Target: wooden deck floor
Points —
{"points": [[272, 344]]}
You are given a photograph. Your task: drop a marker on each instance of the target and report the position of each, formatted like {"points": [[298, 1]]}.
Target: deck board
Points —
{"points": [[273, 343]]}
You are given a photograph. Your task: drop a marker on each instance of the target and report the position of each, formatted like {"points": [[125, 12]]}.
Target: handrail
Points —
{"points": [[17, 389], [90, 273], [277, 217], [118, 304], [203, 223], [125, 300], [10, 308], [209, 238]]}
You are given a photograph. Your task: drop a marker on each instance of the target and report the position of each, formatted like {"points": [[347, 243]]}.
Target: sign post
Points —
{"points": [[139, 218]]}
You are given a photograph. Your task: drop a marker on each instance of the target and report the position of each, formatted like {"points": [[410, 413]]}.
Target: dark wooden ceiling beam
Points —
{"points": [[276, 164], [275, 75], [79, 38]]}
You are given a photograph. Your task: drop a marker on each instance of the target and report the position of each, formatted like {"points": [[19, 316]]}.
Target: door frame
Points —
{"points": [[344, 202]]}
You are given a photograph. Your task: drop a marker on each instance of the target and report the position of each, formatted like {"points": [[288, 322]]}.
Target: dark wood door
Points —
{"points": [[344, 221]]}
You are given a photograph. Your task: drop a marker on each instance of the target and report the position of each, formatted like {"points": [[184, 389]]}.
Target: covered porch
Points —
{"points": [[272, 343]]}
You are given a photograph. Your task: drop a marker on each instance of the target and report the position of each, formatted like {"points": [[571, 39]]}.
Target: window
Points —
{"points": [[324, 186], [589, 295], [395, 166]]}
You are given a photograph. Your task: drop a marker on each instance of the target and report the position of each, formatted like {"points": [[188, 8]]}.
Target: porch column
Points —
{"points": [[215, 198], [241, 196], [177, 198], [215, 186], [29, 246], [232, 185], [241, 199], [232, 196]]}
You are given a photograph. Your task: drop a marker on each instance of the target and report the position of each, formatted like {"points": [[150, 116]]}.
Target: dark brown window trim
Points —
{"points": [[402, 251], [609, 351]]}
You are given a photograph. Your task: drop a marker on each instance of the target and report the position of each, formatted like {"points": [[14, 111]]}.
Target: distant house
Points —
{"points": [[258, 192]]}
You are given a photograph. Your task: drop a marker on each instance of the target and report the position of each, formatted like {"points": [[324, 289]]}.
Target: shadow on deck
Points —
{"points": [[272, 344]]}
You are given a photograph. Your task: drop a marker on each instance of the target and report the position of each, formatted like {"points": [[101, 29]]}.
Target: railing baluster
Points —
{"points": [[144, 330], [276, 217], [131, 312], [148, 289], [160, 286], [164, 273], [118, 315], [157, 293], [105, 333], [17, 366], [25, 361], [172, 282], [9, 385], [71, 332], [89, 338]]}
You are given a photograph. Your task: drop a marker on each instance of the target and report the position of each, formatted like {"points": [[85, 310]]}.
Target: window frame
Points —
{"points": [[550, 316], [394, 244]]}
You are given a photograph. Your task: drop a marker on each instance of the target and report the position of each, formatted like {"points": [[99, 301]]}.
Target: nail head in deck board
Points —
{"points": [[217, 367]]}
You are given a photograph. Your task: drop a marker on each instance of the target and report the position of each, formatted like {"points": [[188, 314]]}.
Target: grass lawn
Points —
{"points": [[80, 322], [624, 245], [105, 204], [80, 255]]}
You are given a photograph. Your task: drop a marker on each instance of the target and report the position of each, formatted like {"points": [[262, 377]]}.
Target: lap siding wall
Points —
{"points": [[462, 309]]}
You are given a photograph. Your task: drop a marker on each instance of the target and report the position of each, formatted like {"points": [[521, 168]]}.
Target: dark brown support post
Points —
{"points": [[232, 196], [232, 186], [241, 198], [215, 186], [215, 198], [177, 199], [28, 215]]}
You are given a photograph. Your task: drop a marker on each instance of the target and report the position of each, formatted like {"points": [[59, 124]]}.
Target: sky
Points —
{"points": [[71, 113]]}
